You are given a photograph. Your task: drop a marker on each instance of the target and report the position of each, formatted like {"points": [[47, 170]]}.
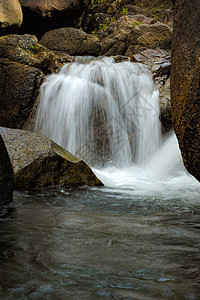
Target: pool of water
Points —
{"points": [[103, 243]]}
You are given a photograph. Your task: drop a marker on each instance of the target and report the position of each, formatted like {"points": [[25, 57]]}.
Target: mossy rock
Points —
{"points": [[25, 49], [39, 162]]}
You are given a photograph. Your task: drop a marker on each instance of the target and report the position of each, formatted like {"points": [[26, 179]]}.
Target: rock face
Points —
{"points": [[133, 34], [159, 62], [165, 106], [185, 82], [23, 64], [71, 40], [41, 16], [39, 162], [6, 175], [10, 15]]}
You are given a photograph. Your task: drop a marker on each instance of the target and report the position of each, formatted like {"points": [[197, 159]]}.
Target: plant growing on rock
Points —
{"points": [[135, 23], [125, 11]]}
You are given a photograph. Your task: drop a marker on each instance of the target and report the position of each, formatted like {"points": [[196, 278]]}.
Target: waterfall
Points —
{"points": [[107, 113], [102, 111]]}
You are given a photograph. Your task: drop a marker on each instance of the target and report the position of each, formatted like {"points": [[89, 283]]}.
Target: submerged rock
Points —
{"points": [[185, 82], [6, 175], [39, 162]]}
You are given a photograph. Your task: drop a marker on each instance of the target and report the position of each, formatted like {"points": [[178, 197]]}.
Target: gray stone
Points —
{"points": [[39, 162]]}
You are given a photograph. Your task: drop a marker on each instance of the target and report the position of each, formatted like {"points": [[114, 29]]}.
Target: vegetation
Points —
{"points": [[125, 11], [135, 23], [94, 2]]}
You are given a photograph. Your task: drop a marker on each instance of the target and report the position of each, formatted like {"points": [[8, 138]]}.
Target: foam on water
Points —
{"points": [[108, 114], [163, 176]]}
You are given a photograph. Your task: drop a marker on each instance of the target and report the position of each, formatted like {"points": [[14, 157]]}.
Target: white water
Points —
{"points": [[108, 114]]}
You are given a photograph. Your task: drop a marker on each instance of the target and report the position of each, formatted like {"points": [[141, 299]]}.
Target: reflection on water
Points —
{"points": [[100, 244]]}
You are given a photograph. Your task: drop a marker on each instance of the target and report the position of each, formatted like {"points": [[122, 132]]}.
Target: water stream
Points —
{"points": [[135, 238]]}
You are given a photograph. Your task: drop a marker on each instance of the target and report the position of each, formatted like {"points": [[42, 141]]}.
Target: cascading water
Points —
{"points": [[102, 111], [108, 114]]}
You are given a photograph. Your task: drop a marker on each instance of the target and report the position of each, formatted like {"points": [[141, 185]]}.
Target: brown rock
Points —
{"points": [[153, 3], [10, 15], [19, 86], [152, 36], [23, 63], [39, 162], [112, 46], [185, 82], [71, 40], [165, 107], [134, 33], [41, 16], [25, 49]]}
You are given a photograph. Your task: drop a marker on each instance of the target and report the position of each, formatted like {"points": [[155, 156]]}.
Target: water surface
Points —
{"points": [[102, 243]]}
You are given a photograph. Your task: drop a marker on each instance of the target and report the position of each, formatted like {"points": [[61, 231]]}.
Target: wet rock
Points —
{"points": [[185, 82], [41, 16], [158, 61], [10, 15], [39, 162], [23, 65], [165, 107], [71, 40], [6, 175]]}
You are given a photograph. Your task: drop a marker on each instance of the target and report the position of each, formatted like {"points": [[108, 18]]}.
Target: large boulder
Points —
{"points": [[6, 175], [71, 40], [10, 15], [19, 85], [185, 82], [132, 34], [41, 15], [39, 162], [26, 50], [23, 65]]}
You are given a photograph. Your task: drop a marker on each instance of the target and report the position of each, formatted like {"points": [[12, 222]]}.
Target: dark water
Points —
{"points": [[99, 244]]}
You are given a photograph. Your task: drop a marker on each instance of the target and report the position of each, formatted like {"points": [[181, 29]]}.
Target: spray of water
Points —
{"points": [[108, 114]]}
